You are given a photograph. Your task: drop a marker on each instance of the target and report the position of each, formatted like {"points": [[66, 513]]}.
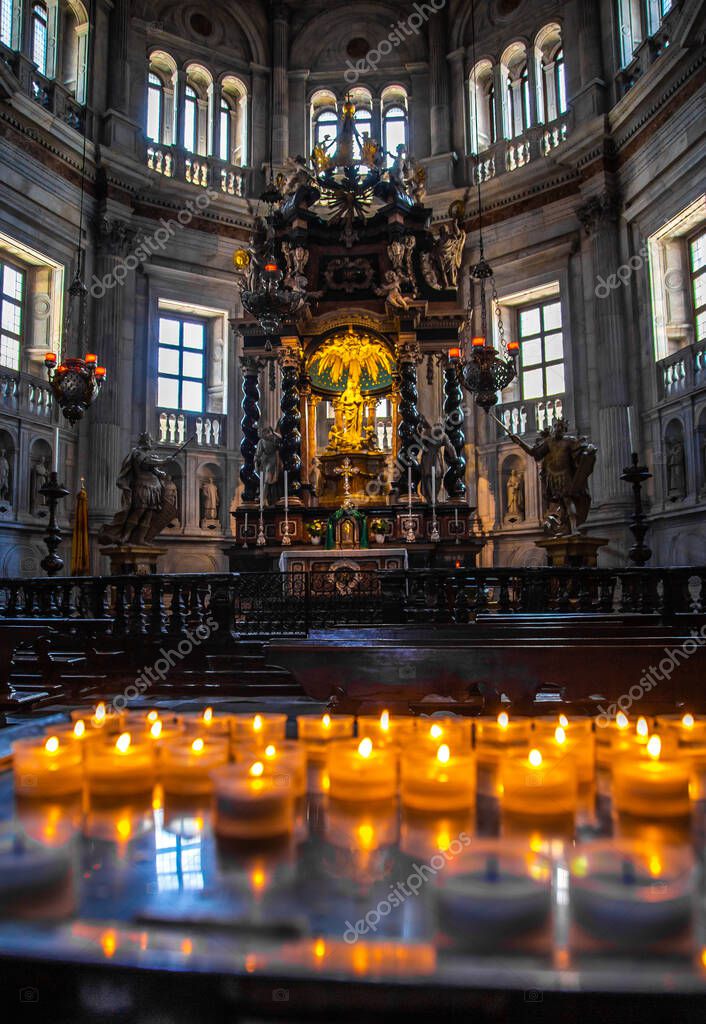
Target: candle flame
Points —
{"points": [[621, 720], [654, 747], [152, 716], [257, 723], [560, 735], [197, 746], [436, 732], [503, 719], [385, 721], [326, 721], [366, 835], [319, 949], [641, 728], [654, 865], [535, 758], [256, 769], [79, 729], [52, 745], [365, 747], [99, 714], [208, 715], [123, 742], [688, 721], [156, 730], [258, 879], [270, 750], [443, 754], [563, 721]]}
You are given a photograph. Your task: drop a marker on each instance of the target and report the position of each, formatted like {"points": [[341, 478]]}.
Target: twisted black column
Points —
{"points": [[408, 429], [249, 424], [289, 425], [455, 475]]}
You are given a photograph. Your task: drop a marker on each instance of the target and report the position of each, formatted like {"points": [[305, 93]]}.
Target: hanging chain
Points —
{"points": [[499, 317]]}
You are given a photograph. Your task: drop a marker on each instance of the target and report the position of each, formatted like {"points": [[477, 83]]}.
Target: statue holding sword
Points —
{"points": [[147, 505], [566, 464]]}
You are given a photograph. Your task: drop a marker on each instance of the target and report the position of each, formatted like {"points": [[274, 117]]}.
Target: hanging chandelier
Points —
{"points": [[485, 370], [263, 291]]}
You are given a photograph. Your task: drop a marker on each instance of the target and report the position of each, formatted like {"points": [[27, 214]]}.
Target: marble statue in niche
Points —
{"points": [[5, 477], [267, 463], [515, 497], [145, 510], [40, 473], [676, 470], [210, 501]]}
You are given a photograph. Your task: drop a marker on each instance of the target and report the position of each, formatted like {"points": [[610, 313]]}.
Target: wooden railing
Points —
{"points": [[284, 604]]}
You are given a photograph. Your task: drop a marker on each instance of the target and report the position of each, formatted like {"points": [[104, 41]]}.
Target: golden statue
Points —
{"points": [[347, 431], [354, 352]]}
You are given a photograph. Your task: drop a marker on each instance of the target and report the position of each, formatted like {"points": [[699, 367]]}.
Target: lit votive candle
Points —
{"points": [[359, 770], [439, 782], [574, 726], [317, 732], [606, 732], [651, 785], [580, 748], [47, 767], [250, 804], [688, 730], [261, 728], [493, 893], [81, 734], [140, 723], [455, 732], [187, 763], [535, 786], [159, 735], [98, 718], [387, 728], [207, 723], [497, 738], [120, 768], [631, 894], [283, 759]]}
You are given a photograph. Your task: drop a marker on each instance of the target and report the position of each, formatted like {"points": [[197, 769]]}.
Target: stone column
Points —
{"points": [[250, 370], [280, 106], [458, 103], [586, 85], [180, 100], [376, 120], [289, 425], [298, 113], [216, 97], [408, 429], [259, 103], [112, 415], [439, 81], [453, 421], [600, 216], [119, 78], [419, 135]]}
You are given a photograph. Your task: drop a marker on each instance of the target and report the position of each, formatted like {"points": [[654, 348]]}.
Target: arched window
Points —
{"points": [[160, 120], [363, 116], [232, 137], [629, 29], [325, 126], [10, 16], [198, 99], [74, 49], [481, 85], [324, 118], [551, 74], [395, 120], [40, 36], [517, 94], [657, 11]]}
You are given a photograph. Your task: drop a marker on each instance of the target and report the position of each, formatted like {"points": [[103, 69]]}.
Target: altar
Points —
{"points": [[347, 571]]}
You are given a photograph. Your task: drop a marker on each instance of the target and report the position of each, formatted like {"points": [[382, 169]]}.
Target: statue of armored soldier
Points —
{"points": [[567, 463]]}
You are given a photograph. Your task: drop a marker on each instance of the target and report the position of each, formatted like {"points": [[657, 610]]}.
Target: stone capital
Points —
{"points": [[599, 210]]}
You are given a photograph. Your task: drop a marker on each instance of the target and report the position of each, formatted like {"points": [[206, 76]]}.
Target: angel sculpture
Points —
{"points": [[391, 291], [353, 354], [440, 267]]}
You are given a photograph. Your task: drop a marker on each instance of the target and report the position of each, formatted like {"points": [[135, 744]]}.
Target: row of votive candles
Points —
{"points": [[537, 767]]}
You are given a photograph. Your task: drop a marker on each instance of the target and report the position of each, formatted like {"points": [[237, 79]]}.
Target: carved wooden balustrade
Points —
{"points": [[285, 604]]}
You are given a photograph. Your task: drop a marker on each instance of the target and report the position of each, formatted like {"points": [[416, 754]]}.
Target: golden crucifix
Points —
{"points": [[347, 471]]}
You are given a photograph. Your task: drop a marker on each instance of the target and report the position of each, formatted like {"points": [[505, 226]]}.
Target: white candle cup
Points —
{"points": [[116, 770], [99, 719], [358, 770], [251, 807], [317, 732], [187, 763], [456, 732], [431, 782], [493, 893], [46, 767], [651, 787], [257, 728], [631, 894], [283, 760], [207, 723], [536, 788]]}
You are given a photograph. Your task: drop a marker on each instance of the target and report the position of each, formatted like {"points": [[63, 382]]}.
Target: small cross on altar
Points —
{"points": [[347, 471]]}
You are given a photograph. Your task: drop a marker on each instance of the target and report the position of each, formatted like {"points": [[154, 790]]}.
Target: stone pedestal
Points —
{"points": [[133, 559], [575, 552]]}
